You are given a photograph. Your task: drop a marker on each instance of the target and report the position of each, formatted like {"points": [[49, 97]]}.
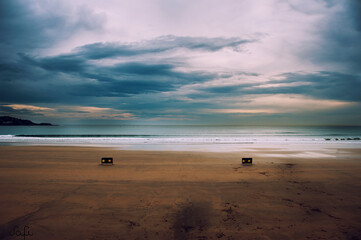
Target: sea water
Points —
{"points": [[175, 137], [171, 137]]}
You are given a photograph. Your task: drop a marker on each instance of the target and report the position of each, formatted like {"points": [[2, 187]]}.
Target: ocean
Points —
{"points": [[175, 137]]}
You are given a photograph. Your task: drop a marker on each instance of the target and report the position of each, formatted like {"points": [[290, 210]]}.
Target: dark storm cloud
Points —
{"points": [[321, 85], [158, 45], [340, 39], [324, 85], [141, 82], [143, 69], [67, 78], [355, 11], [22, 29], [135, 78], [63, 78], [33, 92], [118, 89], [62, 64]]}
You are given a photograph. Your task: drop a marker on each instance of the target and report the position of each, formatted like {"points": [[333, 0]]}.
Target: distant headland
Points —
{"points": [[11, 121]]}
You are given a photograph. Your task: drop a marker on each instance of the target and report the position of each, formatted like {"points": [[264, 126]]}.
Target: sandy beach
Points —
{"points": [[50, 192]]}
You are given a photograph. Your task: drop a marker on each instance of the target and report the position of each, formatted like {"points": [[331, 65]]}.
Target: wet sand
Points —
{"points": [[63, 193]]}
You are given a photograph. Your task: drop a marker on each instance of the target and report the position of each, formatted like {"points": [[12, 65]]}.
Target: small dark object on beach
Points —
{"points": [[315, 210], [107, 161], [247, 161], [327, 139], [289, 165]]}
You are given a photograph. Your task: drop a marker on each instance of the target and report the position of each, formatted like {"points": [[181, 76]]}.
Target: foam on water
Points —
{"points": [[163, 140], [178, 137]]}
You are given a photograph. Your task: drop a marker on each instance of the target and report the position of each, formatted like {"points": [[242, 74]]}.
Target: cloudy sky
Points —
{"points": [[182, 62]]}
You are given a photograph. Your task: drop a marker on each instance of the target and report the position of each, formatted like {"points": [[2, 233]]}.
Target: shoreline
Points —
{"points": [[325, 148]]}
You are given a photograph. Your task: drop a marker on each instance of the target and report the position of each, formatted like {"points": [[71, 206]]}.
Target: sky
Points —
{"points": [[238, 62]]}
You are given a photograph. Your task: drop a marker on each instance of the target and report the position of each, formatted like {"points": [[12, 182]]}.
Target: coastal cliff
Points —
{"points": [[11, 121]]}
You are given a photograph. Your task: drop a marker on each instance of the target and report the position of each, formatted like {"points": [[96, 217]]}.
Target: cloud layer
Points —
{"points": [[239, 62]]}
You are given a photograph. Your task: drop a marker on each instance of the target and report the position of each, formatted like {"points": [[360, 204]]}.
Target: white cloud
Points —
{"points": [[277, 103], [29, 107], [282, 28]]}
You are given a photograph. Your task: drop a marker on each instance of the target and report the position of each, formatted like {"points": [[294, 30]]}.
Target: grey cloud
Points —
{"points": [[209, 44], [354, 7], [232, 89], [340, 39], [158, 45], [64, 78], [326, 85], [62, 64], [72, 77], [312, 7], [143, 69], [136, 78], [321, 85], [139, 85], [24, 30]]}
